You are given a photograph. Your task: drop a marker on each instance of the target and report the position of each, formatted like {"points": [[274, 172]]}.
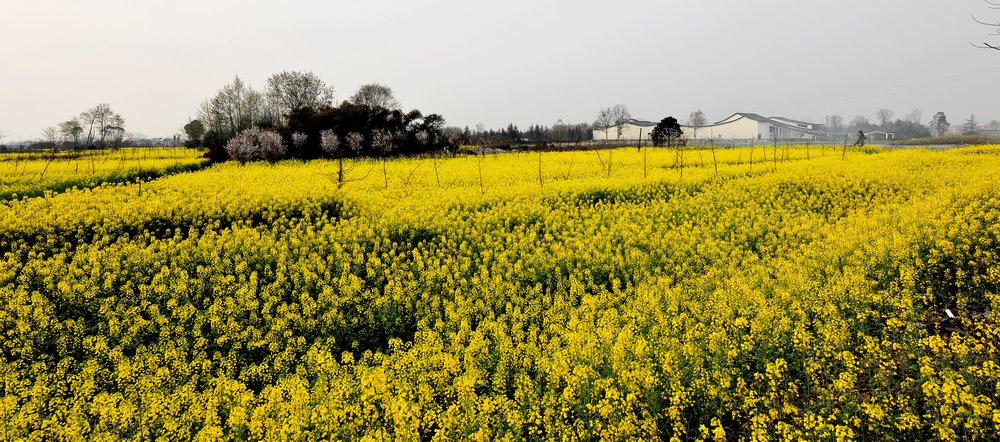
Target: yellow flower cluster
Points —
{"points": [[619, 295], [33, 174]]}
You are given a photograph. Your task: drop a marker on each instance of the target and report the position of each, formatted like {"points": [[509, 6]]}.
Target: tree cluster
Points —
{"points": [[615, 116], [297, 108], [908, 127], [97, 127], [512, 135], [363, 130]]}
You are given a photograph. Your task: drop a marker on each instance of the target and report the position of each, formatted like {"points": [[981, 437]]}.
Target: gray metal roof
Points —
{"points": [[793, 120], [643, 123], [754, 117]]}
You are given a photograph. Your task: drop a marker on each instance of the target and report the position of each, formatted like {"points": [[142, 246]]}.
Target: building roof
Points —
{"points": [[754, 117], [642, 123], [785, 123], [793, 121]]}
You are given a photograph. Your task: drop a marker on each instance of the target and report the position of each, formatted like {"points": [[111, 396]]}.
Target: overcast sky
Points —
{"points": [[495, 62]]}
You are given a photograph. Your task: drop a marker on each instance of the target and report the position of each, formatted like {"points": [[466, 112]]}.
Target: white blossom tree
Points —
{"points": [[299, 140], [252, 144], [329, 142], [355, 141], [383, 144], [272, 148]]}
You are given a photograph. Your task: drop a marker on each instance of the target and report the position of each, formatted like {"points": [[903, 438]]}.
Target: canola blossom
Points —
{"points": [[616, 295], [33, 174]]}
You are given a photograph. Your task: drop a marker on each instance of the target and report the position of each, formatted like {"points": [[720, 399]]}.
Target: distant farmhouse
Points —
{"points": [[739, 126]]}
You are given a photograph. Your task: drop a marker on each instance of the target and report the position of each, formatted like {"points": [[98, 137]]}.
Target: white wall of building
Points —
{"points": [[736, 127], [629, 132]]}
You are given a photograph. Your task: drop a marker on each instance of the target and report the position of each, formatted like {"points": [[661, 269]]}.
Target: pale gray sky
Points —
{"points": [[496, 62]]}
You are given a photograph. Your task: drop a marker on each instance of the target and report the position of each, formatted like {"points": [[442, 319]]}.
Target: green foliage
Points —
{"points": [[667, 130]]}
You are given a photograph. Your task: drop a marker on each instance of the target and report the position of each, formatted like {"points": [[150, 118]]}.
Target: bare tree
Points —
{"points": [[52, 136], [96, 119], [375, 95], [114, 130], [834, 123], [860, 122], [291, 90], [696, 120], [234, 108], [72, 130], [992, 4], [620, 117], [604, 121], [884, 117]]}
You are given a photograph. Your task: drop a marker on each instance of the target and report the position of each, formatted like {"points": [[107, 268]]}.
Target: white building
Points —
{"points": [[739, 126]]}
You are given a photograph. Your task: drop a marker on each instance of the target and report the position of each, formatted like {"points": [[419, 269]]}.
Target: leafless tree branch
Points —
{"points": [[992, 4]]}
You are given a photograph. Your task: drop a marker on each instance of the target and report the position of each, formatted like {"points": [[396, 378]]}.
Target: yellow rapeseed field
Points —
{"points": [[629, 294], [32, 174]]}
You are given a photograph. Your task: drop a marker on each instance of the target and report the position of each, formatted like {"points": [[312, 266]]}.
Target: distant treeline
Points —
{"points": [[512, 135]]}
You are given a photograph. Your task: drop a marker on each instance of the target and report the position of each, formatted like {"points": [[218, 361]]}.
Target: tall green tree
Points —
{"points": [[194, 131], [940, 124], [667, 130], [971, 126]]}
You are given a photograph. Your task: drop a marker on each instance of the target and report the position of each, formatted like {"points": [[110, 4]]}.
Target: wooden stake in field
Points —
{"points": [[540, 183], [569, 169], [645, 163], [482, 189], [681, 156], [714, 159], [609, 163], [775, 168]]}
